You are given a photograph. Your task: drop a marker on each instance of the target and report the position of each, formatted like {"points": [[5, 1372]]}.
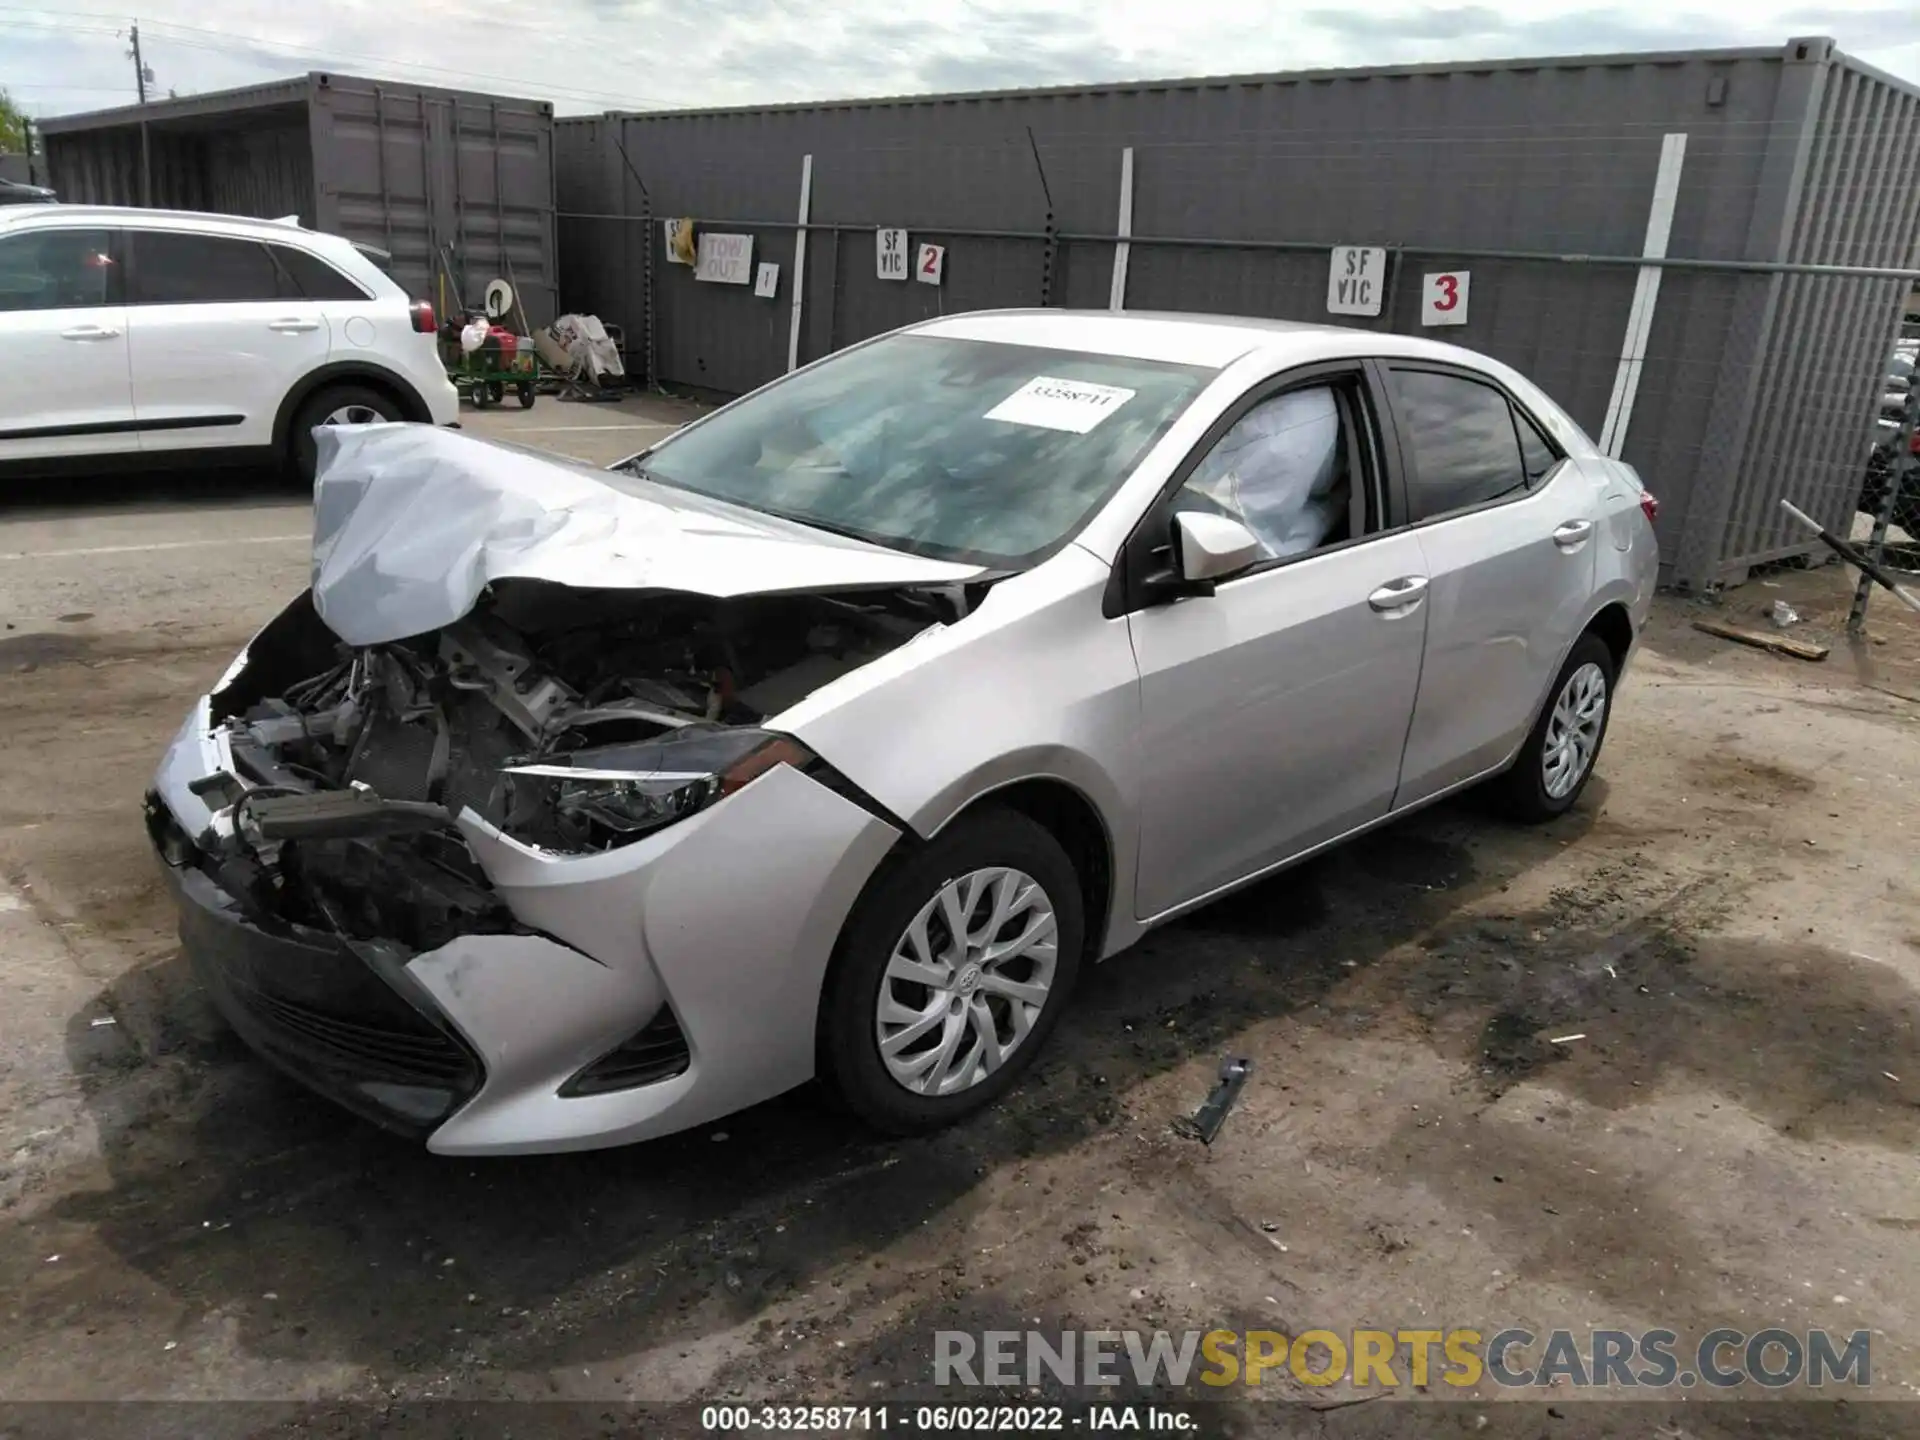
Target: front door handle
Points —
{"points": [[293, 327], [1573, 534], [90, 332], [1399, 597]]}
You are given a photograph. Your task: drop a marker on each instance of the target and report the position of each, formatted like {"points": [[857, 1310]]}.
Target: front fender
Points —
{"points": [[1035, 684]]}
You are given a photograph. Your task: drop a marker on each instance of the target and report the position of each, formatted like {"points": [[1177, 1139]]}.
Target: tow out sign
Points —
{"points": [[1356, 280]]}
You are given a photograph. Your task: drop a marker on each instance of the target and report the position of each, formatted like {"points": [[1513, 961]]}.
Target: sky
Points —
{"points": [[593, 55]]}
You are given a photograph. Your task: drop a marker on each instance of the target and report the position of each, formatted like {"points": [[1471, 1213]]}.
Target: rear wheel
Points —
{"points": [[952, 973], [525, 392], [335, 405], [1557, 760]]}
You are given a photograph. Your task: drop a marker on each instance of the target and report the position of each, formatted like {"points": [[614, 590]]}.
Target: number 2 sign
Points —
{"points": [[930, 265], [1443, 299]]}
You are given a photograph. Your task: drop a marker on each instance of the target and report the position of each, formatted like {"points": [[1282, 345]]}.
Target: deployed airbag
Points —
{"points": [[411, 523]]}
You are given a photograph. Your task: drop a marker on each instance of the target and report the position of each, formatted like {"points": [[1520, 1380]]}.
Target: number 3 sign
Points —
{"points": [[1443, 299]]}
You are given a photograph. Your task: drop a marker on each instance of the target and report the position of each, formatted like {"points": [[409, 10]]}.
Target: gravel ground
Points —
{"points": [[1729, 920]]}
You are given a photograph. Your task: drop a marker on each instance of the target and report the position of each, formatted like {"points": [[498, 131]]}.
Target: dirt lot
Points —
{"points": [[1730, 921]]}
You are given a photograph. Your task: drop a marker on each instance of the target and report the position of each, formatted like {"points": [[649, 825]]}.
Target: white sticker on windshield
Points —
{"points": [[1051, 404]]}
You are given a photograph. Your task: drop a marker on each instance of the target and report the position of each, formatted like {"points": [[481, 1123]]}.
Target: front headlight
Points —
{"points": [[595, 799]]}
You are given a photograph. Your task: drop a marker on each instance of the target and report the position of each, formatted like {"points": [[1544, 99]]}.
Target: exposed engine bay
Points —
{"points": [[571, 720]]}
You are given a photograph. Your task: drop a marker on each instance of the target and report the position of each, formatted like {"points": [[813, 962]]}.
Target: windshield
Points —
{"points": [[1901, 368], [957, 449]]}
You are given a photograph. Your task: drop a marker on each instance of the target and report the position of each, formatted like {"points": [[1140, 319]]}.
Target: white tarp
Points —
{"points": [[580, 343], [411, 523]]}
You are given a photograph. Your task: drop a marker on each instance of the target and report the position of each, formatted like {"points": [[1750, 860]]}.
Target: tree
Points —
{"points": [[13, 125]]}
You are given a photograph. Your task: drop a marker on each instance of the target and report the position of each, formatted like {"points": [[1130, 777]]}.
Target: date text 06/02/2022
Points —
{"points": [[948, 1419]]}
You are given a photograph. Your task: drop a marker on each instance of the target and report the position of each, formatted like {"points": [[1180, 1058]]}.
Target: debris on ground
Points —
{"points": [[1779, 644], [1782, 614], [1205, 1122]]}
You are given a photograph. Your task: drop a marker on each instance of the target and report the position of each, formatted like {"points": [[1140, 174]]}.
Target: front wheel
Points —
{"points": [[952, 973], [1557, 760]]}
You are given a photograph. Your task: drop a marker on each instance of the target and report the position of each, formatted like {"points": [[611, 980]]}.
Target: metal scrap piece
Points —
{"points": [[1205, 1122]]}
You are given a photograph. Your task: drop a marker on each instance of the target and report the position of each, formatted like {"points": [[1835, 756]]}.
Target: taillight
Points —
{"points": [[1914, 444], [424, 322], [1649, 506]]}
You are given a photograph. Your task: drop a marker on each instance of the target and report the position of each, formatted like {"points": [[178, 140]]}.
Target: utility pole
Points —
{"points": [[140, 76]]}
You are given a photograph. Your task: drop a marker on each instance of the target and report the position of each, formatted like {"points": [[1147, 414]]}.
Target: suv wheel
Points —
{"points": [[334, 405]]}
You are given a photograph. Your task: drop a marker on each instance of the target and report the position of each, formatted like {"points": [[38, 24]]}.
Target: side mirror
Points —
{"points": [[1212, 548]]}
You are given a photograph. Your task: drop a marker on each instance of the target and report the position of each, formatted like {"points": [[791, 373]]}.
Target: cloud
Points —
{"points": [[589, 55]]}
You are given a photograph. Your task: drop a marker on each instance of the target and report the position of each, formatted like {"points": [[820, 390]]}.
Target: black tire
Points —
{"points": [[849, 1046], [318, 406], [495, 392], [480, 395], [527, 396], [1521, 793]]}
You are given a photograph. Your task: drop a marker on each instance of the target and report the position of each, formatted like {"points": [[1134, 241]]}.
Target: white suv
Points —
{"points": [[149, 336]]}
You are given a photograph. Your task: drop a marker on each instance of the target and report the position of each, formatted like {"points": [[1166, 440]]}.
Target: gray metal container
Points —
{"points": [[1755, 385], [408, 168]]}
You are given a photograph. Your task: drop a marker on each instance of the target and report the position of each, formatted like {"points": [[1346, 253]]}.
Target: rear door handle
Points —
{"points": [[1399, 597], [90, 332], [1573, 534], [293, 327]]}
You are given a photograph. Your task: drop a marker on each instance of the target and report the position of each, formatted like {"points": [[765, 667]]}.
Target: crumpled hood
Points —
{"points": [[411, 523]]}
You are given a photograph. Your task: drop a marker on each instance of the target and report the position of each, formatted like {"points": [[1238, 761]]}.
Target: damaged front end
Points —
{"points": [[330, 843]]}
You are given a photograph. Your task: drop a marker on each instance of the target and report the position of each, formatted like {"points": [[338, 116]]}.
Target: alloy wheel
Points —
{"points": [[967, 981], [1573, 730], [354, 415]]}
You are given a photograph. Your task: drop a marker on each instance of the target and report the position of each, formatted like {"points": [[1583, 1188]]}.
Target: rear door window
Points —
{"points": [[1462, 442], [1535, 450], [174, 268]]}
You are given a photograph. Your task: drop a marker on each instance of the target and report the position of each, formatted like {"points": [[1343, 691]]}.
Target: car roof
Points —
{"points": [[1212, 341], [135, 214]]}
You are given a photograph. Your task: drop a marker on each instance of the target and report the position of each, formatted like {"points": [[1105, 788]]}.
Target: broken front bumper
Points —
{"points": [[712, 935]]}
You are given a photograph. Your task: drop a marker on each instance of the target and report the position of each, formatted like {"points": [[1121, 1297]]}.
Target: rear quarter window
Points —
{"points": [[312, 278]]}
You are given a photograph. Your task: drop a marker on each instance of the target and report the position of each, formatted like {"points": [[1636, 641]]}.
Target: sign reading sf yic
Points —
{"points": [[1356, 280], [890, 254]]}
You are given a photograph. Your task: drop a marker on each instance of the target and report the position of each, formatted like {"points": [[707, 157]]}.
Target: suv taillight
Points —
{"points": [[424, 322], [1649, 506]]}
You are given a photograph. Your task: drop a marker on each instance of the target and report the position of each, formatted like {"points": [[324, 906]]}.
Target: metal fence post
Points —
{"points": [[1646, 294], [1899, 474], [1122, 250], [800, 261]]}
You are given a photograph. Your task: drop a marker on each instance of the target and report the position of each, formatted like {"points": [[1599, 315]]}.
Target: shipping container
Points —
{"points": [[415, 171], [1535, 177]]}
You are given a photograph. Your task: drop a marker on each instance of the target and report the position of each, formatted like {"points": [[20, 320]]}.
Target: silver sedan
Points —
{"points": [[832, 736]]}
